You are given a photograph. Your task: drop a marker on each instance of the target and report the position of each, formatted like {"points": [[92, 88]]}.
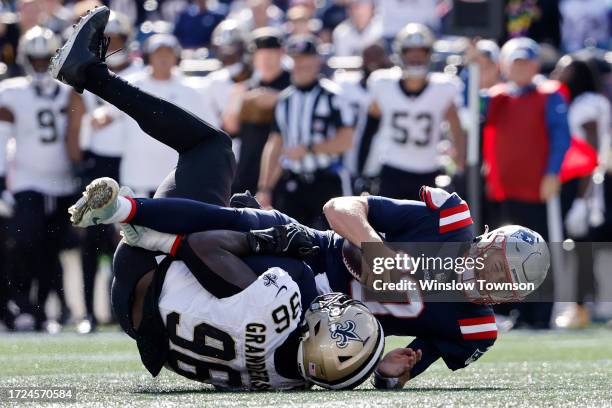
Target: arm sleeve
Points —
{"points": [[456, 354], [388, 215], [558, 131]]}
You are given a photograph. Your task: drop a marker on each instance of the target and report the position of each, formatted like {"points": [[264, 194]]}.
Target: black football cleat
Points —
{"points": [[85, 46]]}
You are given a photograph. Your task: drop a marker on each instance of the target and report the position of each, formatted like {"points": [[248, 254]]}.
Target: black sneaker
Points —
{"points": [[85, 46]]}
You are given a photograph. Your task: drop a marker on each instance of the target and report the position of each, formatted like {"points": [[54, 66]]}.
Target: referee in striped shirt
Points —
{"points": [[311, 130]]}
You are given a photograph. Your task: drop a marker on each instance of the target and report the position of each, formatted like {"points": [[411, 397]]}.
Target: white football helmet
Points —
{"points": [[36, 47], [230, 44], [511, 254], [37, 43], [118, 25], [413, 35], [342, 342]]}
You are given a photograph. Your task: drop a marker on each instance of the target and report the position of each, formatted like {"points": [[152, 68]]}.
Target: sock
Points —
{"points": [[125, 211]]}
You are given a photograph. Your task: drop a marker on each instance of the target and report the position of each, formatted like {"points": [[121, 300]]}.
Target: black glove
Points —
{"points": [[244, 200], [291, 240]]}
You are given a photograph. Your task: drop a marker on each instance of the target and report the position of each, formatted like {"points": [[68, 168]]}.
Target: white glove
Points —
{"points": [[143, 237], [7, 204], [577, 220]]}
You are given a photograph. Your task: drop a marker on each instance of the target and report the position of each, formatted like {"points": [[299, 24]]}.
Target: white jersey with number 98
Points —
{"points": [[410, 123], [230, 342]]}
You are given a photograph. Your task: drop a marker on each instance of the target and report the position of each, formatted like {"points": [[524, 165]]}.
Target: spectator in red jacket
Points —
{"points": [[525, 138]]}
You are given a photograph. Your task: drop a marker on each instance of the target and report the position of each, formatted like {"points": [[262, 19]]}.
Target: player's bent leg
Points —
{"points": [[103, 202]]}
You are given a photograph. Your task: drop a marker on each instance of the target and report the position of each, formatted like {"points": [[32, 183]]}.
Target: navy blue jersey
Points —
{"points": [[457, 332]]}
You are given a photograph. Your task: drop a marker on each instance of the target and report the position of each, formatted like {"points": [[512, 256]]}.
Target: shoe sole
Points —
{"points": [[98, 194], [57, 62]]}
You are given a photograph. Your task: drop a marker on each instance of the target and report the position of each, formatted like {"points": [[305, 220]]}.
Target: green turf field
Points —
{"points": [[522, 369]]}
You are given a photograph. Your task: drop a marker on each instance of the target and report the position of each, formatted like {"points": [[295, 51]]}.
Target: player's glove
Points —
{"points": [[244, 200], [292, 240]]}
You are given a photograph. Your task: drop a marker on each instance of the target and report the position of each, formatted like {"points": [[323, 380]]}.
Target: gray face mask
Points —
{"points": [[415, 71], [117, 59]]}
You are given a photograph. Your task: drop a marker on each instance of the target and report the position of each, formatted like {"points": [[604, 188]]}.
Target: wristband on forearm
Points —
{"points": [[385, 383]]}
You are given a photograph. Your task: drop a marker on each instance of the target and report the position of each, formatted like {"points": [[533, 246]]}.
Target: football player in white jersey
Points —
{"points": [[33, 114], [95, 144], [363, 159], [261, 339], [223, 90], [412, 104]]}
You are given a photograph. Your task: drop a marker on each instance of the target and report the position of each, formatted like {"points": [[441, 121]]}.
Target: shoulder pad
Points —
{"points": [[453, 211], [347, 78], [434, 197], [14, 83], [329, 86], [442, 78]]}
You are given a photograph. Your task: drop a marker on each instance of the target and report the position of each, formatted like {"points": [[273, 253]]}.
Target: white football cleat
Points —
{"points": [[98, 204]]}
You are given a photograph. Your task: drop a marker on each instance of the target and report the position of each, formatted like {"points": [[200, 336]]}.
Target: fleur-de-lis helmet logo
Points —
{"points": [[343, 333]]}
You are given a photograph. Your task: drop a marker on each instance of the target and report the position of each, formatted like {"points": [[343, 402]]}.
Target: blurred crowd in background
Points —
{"points": [[322, 98]]}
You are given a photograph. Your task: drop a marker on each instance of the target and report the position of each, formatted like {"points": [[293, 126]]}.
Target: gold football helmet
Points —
{"points": [[342, 342]]}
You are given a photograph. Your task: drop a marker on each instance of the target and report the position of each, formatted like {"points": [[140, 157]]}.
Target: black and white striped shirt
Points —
{"points": [[308, 117]]}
